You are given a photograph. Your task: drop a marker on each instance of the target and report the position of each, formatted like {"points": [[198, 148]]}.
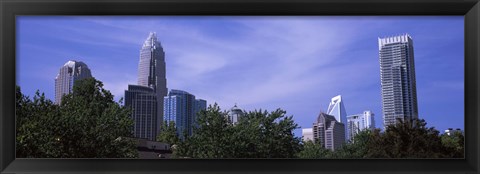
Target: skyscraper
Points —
{"points": [[359, 122], [146, 98], [151, 72], [328, 131], [182, 108], [337, 109], [69, 73], [143, 102], [397, 73]]}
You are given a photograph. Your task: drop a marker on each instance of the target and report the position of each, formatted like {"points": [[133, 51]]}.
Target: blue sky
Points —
{"points": [[294, 63]]}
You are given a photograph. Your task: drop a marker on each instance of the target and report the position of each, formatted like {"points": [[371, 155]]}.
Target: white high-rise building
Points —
{"points": [[336, 108], [69, 73], [359, 122], [397, 73]]}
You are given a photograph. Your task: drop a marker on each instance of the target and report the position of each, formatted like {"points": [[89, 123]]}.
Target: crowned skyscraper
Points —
{"points": [[151, 71], [337, 109], [397, 73], [69, 73], [151, 74]]}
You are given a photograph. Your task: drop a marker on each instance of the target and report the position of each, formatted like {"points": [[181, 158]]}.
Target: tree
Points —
{"points": [[258, 134], [454, 144], [87, 124], [210, 137], [168, 133], [312, 150], [407, 139]]}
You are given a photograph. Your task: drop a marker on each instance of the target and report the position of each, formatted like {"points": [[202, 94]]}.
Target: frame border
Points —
{"points": [[9, 9]]}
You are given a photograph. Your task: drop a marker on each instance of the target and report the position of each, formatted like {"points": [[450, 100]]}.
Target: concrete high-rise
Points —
{"points": [[151, 88], [359, 122], [69, 73], [397, 73], [182, 108], [143, 102], [328, 131]]}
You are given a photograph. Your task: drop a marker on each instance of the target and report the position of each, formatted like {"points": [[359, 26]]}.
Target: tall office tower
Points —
{"points": [[328, 131], [235, 114], [397, 72], [337, 109], [151, 72], [143, 102], [359, 122], [69, 73], [307, 134], [182, 108]]}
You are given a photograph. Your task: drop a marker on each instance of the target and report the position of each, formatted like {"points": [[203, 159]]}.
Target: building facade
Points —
{"points": [[359, 122], [151, 72], [143, 102], [397, 73], [69, 73], [181, 107], [328, 131]]}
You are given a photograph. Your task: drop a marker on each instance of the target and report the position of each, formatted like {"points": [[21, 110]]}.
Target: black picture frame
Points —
{"points": [[9, 9]]}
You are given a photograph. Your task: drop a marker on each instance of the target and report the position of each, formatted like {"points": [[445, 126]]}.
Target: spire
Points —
{"points": [[152, 40]]}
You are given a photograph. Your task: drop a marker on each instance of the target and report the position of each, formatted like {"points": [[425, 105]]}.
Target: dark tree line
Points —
{"points": [[402, 140], [87, 124]]}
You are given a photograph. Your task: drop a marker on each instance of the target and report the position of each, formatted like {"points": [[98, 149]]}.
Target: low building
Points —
{"points": [[152, 149]]}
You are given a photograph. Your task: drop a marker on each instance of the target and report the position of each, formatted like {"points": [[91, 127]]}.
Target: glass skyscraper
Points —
{"points": [[182, 108], [146, 98], [397, 72], [69, 73]]}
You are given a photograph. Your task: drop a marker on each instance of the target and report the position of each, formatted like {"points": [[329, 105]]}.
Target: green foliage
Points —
{"points": [[258, 134], [409, 139], [168, 133], [87, 124], [454, 144], [412, 139], [314, 150]]}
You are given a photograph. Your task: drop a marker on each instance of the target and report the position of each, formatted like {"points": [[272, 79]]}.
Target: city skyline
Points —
{"points": [[293, 65]]}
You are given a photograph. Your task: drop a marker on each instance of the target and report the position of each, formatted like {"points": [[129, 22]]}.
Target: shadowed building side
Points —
{"points": [[142, 101]]}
